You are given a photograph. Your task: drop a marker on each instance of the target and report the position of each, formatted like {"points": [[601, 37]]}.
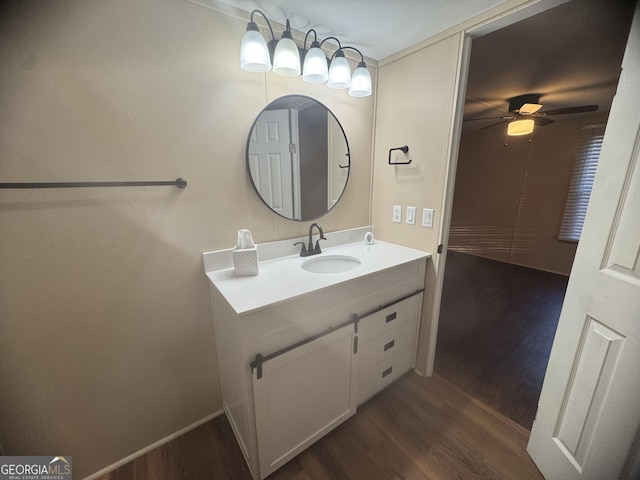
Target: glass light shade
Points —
{"points": [[286, 59], [360, 82], [315, 68], [339, 73], [254, 54], [520, 127]]}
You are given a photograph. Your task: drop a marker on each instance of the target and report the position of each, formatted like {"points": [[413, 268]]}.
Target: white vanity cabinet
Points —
{"points": [[294, 369]]}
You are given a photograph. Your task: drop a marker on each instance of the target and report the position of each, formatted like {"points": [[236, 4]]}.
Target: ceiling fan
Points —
{"points": [[524, 113]]}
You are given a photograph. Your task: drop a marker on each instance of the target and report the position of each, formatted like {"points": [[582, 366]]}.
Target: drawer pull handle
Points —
{"points": [[387, 372], [389, 345], [391, 316]]}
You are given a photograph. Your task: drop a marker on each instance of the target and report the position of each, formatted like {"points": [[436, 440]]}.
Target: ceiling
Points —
{"points": [[378, 28], [570, 54]]}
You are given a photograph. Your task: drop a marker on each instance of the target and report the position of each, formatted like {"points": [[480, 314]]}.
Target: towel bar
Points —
{"points": [[179, 182]]}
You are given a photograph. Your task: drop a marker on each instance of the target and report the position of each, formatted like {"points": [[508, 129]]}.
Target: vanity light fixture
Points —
{"points": [[254, 52], [286, 59], [256, 56], [314, 69], [339, 70], [520, 127], [361, 79]]}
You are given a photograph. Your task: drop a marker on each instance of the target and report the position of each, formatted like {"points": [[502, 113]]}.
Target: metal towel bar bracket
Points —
{"points": [[179, 182], [404, 149]]}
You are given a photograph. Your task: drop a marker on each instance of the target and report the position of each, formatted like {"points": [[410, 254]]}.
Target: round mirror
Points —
{"points": [[298, 157]]}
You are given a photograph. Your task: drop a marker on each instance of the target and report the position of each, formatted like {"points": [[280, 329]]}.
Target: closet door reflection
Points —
{"points": [[270, 162]]}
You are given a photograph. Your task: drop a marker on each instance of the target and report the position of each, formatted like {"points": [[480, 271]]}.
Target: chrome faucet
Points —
{"points": [[311, 249]]}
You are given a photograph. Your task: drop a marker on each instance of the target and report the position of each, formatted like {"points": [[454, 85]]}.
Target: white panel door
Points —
{"points": [[270, 160], [301, 395], [588, 422]]}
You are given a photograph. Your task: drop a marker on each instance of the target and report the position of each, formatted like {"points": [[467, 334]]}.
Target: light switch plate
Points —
{"points": [[427, 217], [411, 216], [397, 214]]}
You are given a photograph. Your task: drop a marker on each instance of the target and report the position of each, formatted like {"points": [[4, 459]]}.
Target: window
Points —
{"points": [[584, 172]]}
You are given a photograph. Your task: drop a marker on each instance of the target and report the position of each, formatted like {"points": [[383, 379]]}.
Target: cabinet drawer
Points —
{"points": [[378, 377], [389, 318], [385, 345]]}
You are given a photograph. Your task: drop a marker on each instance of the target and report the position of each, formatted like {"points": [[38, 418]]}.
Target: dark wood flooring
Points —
{"points": [[418, 428], [497, 323]]}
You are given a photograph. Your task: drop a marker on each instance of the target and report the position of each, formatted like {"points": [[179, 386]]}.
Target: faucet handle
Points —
{"points": [[303, 250], [317, 249]]}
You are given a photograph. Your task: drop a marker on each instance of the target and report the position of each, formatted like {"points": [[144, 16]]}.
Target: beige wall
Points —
{"points": [[509, 200], [415, 108], [106, 335]]}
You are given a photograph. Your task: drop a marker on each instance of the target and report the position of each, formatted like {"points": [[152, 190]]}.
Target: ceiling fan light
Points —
{"points": [[520, 127], [360, 82], [254, 54], [339, 72], [315, 68]]}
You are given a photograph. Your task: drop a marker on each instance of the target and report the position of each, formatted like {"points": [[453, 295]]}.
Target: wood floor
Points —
{"points": [[418, 428], [497, 323]]}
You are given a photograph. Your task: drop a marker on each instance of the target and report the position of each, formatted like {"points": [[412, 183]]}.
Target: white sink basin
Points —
{"points": [[331, 264]]}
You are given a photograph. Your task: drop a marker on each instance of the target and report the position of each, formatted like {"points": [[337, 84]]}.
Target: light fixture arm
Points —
{"points": [[332, 38], [254, 26], [315, 42], [287, 30], [356, 50]]}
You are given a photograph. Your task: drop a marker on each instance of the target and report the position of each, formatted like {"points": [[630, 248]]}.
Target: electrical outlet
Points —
{"points": [[397, 214], [427, 217], [411, 216]]}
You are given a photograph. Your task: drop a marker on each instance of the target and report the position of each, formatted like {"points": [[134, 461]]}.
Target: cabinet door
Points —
{"points": [[302, 395]]}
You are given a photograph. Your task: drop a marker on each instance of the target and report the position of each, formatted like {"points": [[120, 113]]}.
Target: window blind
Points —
{"points": [[584, 172]]}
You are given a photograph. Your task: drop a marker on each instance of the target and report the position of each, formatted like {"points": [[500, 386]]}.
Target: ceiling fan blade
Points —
{"points": [[541, 121], [529, 108], [564, 111], [494, 124], [489, 118]]}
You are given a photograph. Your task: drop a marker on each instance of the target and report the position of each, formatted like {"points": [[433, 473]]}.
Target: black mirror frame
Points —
{"points": [[348, 155]]}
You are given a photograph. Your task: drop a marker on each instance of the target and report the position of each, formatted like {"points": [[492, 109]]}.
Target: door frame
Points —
{"points": [[515, 15]]}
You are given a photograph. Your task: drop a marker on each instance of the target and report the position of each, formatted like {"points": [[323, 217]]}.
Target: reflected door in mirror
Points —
{"points": [[298, 158], [270, 161]]}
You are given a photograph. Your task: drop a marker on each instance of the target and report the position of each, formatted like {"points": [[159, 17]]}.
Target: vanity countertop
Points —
{"points": [[283, 278]]}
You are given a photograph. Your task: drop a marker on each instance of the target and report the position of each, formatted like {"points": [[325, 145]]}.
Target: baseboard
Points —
{"points": [[420, 373], [153, 446], [509, 262]]}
